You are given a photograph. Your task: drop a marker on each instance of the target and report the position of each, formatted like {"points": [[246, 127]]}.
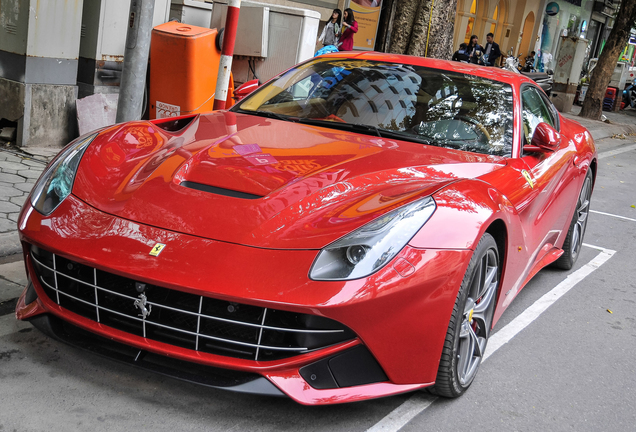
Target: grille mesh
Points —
{"points": [[182, 319]]}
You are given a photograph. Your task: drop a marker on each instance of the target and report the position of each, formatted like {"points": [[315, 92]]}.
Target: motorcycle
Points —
{"points": [[629, 96], [543, 79], [529, 65]]}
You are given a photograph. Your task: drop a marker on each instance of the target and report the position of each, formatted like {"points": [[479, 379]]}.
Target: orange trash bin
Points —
{"points": [[184, 65]]}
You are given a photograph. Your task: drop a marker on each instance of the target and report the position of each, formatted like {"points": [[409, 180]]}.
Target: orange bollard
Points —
{"points": [[184, 65]]}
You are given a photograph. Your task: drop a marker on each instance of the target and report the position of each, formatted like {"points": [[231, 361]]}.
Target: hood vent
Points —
{"points": [[173, 125], [218, 191]]}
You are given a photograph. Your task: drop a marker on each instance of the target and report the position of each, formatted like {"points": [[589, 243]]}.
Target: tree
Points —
{"points": [[616, 42], [408, 30]]}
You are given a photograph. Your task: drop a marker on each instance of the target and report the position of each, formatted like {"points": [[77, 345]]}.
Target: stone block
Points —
{"points": [[10, 192], [7, 225], [33, 174], [96, 111], [11, 178], [45, 113], [7, 207]]}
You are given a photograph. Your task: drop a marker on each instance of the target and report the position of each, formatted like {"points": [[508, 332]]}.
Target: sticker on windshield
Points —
{"points": [[261, 159], [245, 149]]}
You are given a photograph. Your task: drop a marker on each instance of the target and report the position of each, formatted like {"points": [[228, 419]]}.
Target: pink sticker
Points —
{"points": [[244, 149], [261, 159]]}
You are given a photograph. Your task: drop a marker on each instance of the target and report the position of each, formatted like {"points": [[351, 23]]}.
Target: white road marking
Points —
{"points": [[605, 154], [417, 403], [613, 215], [504, 335], [404, 413]]}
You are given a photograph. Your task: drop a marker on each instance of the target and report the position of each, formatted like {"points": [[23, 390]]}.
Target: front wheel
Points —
{"points": [[470, 323]]}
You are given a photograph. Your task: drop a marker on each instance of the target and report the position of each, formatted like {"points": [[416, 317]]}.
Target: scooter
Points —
{"points": [[629, 96], [529, 65], [543, 79]]}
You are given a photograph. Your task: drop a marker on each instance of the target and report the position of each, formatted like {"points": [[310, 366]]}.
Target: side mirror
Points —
{"points": [[246, 88], [545, 139]]}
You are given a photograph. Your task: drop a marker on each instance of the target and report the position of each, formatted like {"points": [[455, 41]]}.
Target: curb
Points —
{"points": [[602, 130], [607, 130]]}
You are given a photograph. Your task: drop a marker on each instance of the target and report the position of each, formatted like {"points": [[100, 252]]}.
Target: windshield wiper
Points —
{"points": [[269, 114], [353, 127], [359, 127], [367, 129]]}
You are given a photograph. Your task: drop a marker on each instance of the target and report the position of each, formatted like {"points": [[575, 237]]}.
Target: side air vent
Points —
{"points": [[218, 191]]}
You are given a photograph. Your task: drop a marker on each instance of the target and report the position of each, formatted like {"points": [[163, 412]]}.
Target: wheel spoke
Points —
{"points": [[468, 347]]}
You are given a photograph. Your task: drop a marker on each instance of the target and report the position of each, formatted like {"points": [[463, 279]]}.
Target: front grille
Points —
{"points": [[182, 319]]}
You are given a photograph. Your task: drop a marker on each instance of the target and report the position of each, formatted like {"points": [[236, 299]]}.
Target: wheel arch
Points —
{"points": [[593, 167], [498, 230]]}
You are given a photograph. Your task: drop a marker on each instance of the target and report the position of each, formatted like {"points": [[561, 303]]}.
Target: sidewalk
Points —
{"points": [[18, 173], [20, 170], [622, 122]]}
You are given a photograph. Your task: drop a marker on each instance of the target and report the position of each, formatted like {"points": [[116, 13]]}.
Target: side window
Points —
{"points": [[553, 112], [534, 111]]}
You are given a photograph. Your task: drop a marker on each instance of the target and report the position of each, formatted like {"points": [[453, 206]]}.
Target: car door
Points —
{"points": [[542, 192]]}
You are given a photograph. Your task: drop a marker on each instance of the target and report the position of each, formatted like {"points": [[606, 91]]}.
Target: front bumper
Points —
{"points": [[399, 314]]}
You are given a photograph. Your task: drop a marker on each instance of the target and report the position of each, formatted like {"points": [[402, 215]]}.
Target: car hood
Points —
{"points": [[261, 182]]}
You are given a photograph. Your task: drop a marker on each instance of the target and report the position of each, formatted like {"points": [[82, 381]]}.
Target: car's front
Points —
{"points": [[277, 247]]}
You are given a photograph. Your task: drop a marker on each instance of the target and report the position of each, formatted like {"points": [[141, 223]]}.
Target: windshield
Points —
{"points": [[416, 103]]}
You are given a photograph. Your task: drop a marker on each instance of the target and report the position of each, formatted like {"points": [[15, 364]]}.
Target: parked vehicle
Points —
{"points": [[543, 79], [629, 96], [353, 228]]}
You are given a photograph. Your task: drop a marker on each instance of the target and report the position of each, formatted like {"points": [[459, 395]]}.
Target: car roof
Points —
{"points": [[494, 73]]}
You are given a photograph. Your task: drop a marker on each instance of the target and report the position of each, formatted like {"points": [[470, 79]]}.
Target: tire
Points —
{"points": [[574, 240], [470, 323]]}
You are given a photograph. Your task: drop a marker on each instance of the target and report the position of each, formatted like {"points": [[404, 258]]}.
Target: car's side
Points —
{"points": [[517, 220]]}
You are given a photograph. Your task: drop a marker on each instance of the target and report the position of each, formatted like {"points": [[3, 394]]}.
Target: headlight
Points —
{"points": [[369, 248], [57, 181]]}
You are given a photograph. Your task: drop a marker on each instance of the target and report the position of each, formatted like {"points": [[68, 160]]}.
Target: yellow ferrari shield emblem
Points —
{"points": [[528, 178], [156, 250]]}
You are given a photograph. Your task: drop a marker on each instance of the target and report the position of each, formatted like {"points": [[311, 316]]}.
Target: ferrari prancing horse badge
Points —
{"points": [[156, 250], [528, 178]]}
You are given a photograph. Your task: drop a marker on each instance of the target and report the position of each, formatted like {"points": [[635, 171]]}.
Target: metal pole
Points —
{"points": [[225, 66], [133, 77]]}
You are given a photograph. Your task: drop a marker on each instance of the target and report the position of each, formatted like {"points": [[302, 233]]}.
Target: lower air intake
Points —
{"points": [[182, 319]]}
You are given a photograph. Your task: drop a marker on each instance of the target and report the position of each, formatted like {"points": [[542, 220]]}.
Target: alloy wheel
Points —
{"points": [[582, 211], [477, 317]]}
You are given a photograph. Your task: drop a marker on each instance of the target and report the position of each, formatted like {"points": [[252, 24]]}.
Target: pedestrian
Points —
{"points": [[474, 50], [461, 55], [331, 31], [349, 26], [529, 63], [491, 51], [546, 60]]}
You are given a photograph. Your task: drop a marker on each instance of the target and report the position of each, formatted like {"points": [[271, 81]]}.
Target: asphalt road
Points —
{"points": [[568, 363]]}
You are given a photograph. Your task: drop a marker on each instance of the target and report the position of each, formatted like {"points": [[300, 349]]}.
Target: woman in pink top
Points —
{"points": [[350, 26]]}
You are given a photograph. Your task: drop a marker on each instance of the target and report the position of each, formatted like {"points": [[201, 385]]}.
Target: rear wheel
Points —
{"points": [[574, 239], [470, 323]]}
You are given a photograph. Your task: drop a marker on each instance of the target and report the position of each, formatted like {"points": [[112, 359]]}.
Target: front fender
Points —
{"points": [[465, 210]]}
